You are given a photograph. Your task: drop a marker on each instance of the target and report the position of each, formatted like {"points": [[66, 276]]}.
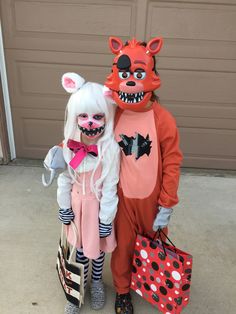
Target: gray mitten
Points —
{"points": [[53, 161], [162, 218]]}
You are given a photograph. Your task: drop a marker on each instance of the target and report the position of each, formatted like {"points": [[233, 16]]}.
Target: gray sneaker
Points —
{"points": [[70, 308], [98, 295]]}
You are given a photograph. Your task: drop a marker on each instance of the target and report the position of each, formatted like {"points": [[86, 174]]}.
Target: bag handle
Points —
{"points": [[75, 231], [159, 231]]}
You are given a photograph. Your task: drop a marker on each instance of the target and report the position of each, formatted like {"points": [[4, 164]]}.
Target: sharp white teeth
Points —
{"points": [[134, 100]]}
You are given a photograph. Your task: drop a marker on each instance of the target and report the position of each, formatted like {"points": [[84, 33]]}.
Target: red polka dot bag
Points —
{"points": [[161, 274]]}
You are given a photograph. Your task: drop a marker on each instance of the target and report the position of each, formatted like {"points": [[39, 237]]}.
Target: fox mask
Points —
{"points": [[133, 77]]}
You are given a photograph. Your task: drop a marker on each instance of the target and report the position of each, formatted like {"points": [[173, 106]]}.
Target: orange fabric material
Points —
{"points": [[137, 215]]}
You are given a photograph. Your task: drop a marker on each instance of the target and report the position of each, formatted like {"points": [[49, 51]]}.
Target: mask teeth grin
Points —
{"points": [[131, 98], [92, 132]]}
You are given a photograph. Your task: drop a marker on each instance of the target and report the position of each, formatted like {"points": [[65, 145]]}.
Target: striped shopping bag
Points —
{"points": [[70, 273]]}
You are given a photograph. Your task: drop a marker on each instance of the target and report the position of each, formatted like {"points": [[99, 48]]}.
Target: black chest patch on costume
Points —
{"points": [[137, 145]]}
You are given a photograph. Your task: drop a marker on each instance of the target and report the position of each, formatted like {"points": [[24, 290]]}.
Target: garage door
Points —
{"points": [[43, 39]]}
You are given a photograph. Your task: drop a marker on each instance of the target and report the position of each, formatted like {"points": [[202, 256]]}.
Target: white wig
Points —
{"points": [[89, 98]]}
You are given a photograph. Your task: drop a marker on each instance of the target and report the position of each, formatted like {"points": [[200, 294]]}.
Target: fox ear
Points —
{"points": [[154, 45], [72, 82], [115, 44]]}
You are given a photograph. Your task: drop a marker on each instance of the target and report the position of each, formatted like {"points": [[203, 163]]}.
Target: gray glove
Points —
{"points": [[162, 218], [53, 162]]}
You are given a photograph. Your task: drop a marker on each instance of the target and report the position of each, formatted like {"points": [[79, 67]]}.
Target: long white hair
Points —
{"points": [[89, 98]]}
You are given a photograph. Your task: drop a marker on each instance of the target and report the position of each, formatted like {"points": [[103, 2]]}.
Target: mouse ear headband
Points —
{"points": [[72, 82]]}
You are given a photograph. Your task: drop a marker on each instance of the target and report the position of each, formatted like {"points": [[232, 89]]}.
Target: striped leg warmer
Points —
{"points": [[80, 258], [97, 267]]}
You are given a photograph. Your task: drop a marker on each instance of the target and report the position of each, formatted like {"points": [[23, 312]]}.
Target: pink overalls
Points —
{"points": [[86, 209]]}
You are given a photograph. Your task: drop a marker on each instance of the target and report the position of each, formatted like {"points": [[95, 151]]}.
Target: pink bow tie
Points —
{"points": [[81, 150]]}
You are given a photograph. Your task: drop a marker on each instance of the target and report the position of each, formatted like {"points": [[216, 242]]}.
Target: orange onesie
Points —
{"points": [[149, 176]]}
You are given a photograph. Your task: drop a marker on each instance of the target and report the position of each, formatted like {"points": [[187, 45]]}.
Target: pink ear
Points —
{"points": [[72, 82], [154, 45], [115, 44], [107, 91], [69, 83]]}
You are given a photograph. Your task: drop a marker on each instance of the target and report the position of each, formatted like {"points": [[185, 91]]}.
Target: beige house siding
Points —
{"points": [[1, 153], [43, 39]]}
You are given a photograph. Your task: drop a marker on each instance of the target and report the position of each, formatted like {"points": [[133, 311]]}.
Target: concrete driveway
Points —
{"points": [[204, 224]]}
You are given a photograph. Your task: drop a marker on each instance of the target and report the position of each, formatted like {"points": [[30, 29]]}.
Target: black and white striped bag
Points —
{"points": [[71, 273]]}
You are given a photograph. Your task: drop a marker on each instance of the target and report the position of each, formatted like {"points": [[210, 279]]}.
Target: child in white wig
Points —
{"points": [[87, 190]]}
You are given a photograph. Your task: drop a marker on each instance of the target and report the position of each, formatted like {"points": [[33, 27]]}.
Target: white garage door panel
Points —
{"points": [[193, 30], [206, 139], [204, 147], [197, 64], [72, 19], [36, 77], [193, 21], [208, 123], [205, 110], [37, 130], [198, 86], [232, 2], [66, 26]]}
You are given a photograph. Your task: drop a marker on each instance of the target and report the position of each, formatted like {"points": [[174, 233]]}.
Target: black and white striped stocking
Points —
{"points": [[80, 258], [97, 267]]}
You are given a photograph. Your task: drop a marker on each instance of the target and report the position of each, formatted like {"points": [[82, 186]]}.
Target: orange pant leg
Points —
{"points": [[134, 217]]}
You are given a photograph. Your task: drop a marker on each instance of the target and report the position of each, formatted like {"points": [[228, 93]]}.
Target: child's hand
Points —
{"points": [[66, 215], [104, 230], [162, 218]]}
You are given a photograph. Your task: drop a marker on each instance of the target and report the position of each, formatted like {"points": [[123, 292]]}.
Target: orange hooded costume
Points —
{"points": [[149, 141]]}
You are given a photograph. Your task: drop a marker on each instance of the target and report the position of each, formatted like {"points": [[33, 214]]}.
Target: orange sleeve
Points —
{"points": [[171, 157]]}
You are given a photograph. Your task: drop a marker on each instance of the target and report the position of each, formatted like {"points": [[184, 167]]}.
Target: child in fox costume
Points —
{"points": [[150, 157]]}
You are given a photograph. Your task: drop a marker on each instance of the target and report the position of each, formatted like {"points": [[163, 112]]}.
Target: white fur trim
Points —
{"points": [[107, 91], [71, 82]]}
